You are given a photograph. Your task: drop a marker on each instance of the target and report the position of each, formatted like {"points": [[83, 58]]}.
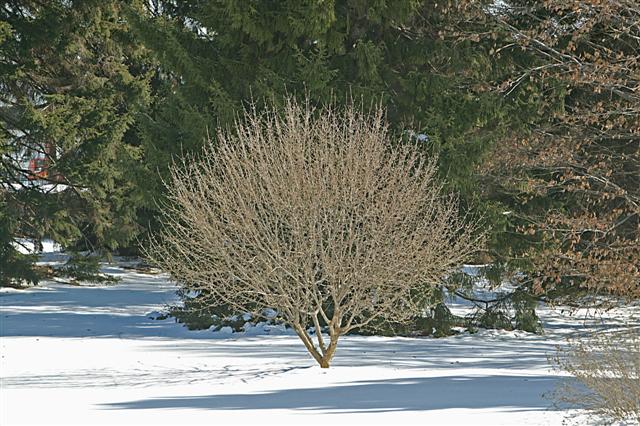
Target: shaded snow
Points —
{"points": [[93, 355]]}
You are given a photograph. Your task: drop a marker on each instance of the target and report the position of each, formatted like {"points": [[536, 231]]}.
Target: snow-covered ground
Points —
{"points": [[91, 355]]}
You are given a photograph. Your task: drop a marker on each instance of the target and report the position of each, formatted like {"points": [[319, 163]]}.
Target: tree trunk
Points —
{"points": [[328, 355], [308, 343], [324, 359]]}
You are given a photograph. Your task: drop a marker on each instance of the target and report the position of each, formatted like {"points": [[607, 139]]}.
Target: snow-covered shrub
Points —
{"points": [[316, 214], [606, 371]]}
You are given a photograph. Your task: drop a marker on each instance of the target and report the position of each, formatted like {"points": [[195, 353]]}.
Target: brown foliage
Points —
{"points": [[316, 215], [574, 173]]}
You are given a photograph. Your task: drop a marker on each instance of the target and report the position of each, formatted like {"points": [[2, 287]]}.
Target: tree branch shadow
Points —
{"points": [[410, 394]]}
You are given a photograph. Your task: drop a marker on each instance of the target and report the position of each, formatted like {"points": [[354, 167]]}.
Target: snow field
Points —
{"points": [[91, 355]]}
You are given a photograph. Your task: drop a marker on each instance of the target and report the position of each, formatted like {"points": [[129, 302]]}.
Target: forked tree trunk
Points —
{"points": [[322, 357], [331, 350]]}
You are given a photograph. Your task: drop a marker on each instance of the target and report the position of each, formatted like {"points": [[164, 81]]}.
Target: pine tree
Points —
{"points": [[216, 57], [72, 82]]}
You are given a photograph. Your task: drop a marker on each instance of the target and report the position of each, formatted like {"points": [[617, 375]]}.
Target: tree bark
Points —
{"points": [[308, 343], [324, 358], [325, 361]]}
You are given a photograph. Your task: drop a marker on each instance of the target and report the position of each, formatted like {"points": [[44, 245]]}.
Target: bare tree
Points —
{"points": [[313, 213]]}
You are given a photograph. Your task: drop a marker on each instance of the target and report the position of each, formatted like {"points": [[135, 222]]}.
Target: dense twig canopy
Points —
{"points": [[316, 214]]}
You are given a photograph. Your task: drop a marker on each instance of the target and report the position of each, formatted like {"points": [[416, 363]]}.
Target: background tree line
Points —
{"points": [[530, 106]]}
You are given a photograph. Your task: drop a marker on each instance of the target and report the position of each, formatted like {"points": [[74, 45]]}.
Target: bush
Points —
{"points": [[606, 368], [84, 267], [317, 215]]}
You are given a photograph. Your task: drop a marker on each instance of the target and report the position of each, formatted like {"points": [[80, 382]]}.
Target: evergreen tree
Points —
{"points": [[215, 57], [15, 267], [72, 81]]}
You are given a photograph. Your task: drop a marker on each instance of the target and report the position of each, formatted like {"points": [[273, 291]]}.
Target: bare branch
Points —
{"points": [[315, 214]]}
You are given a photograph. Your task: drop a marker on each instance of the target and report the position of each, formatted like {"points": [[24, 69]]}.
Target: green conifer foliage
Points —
{"points": [[215, 57], [72, 81]]}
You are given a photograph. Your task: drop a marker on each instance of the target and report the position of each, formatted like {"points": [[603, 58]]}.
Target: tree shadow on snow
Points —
{"points": [[463, 351], [410, 394]]}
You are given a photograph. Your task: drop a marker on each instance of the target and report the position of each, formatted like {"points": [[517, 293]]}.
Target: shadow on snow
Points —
{"points": [[410, 394]]}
